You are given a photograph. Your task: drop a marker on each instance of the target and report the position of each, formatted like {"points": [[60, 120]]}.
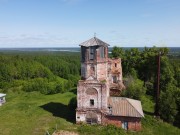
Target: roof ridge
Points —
{"points": [[94, 41], [133, 105]]}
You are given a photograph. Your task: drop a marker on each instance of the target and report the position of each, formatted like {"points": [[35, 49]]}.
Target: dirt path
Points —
{"points": [[62, 132]]}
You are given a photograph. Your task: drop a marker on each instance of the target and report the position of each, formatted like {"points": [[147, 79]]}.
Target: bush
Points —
{"points": [[40, 85], [59, 88], [135, 89]]}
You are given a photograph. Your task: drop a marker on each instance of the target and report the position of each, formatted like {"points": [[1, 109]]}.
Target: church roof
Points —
{"points": [[122, 106], [94, 42]]}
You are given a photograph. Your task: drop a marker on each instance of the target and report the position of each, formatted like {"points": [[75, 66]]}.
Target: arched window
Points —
{"points": [[91, 91], [91, 98]]}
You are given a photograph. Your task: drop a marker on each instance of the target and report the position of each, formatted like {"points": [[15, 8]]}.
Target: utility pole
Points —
{"points": [[158, 83]]}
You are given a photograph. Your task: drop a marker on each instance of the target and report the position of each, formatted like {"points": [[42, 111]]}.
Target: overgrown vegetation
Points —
{"points": [[140, 71]]}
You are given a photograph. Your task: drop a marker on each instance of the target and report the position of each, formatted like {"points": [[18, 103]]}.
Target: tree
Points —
{"points": [[168, 107], [118, 52], [135, 89]]}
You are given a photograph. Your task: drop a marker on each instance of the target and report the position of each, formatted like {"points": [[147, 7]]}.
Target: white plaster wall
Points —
{"points": [[82, 117]]}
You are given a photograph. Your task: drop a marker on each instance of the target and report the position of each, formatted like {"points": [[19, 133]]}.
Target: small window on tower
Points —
{"points": [[114, 79], [115, 64], [92, 50], [91, 102]]}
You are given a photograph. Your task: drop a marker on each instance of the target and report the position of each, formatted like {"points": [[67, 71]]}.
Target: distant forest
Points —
{"points": [[59, 72], [46, 72]]}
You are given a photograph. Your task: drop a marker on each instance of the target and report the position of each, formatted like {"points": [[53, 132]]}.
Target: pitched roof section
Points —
{"points": [[93, 42], [125, 107]]}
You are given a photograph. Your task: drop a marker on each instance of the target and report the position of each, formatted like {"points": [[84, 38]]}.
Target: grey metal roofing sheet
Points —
{"points": [[122, 106], [93, 42]]}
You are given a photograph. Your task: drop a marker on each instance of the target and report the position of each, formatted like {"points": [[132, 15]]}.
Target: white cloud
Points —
{"points": [[30, 40]]}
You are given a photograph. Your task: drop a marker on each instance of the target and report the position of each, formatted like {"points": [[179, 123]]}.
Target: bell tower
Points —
{"points": [[100, 76], [94, 57]]}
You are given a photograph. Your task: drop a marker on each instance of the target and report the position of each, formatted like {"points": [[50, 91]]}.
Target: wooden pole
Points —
{"points": [[158, 83]]}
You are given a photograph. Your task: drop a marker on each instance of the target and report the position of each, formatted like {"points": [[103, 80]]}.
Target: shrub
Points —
{"points": [[135, 89]]}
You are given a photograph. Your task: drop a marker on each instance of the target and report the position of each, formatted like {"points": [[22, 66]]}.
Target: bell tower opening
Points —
{"points": [[92, 50], [94, 59]]}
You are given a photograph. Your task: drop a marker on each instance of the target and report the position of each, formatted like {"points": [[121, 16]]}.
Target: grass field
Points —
{"points": [[34, 114]]}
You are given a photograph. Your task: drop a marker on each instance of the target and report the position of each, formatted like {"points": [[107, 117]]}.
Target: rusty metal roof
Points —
{"points": [[93, 42], [122, 106]]}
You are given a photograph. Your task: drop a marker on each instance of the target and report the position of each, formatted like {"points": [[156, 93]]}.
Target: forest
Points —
{"points": [[37, 71], [140, 77], [58, 72]]}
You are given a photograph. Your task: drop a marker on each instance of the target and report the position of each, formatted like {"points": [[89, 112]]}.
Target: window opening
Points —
{"points": [[92, 53], [115, 64], [125, 125], [91, 102], [114, 79]]}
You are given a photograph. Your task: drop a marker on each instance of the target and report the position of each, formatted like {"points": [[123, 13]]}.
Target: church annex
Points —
{"points": [[99, 89]]}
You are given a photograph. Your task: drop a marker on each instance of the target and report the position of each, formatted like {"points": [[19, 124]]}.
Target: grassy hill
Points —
{"points": [[34, 113]]}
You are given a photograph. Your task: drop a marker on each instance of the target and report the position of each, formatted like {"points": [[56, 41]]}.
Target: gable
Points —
{"points": [[122, 107]]}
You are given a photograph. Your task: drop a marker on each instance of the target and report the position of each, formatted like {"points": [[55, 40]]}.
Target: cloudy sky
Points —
{"points": [[66, 23]]}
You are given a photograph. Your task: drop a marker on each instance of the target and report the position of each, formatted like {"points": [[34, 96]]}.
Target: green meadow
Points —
{"points": [[33, 113]]}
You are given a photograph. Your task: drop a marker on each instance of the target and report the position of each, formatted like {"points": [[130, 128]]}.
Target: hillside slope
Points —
{"points": [[34, 114]]}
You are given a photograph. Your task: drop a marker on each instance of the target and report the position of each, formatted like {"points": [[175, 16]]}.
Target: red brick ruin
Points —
{"points": [[100, 87]]}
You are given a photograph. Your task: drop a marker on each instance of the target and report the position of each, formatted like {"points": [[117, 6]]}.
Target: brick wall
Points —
{"points": [[100, 97], [133, 123]]}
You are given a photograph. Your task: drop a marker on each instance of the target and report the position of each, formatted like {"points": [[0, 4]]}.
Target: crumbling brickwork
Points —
{"points": [[101, 77]]}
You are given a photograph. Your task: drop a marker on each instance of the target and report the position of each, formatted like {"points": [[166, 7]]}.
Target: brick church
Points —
{"points": [[98, 91]]}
